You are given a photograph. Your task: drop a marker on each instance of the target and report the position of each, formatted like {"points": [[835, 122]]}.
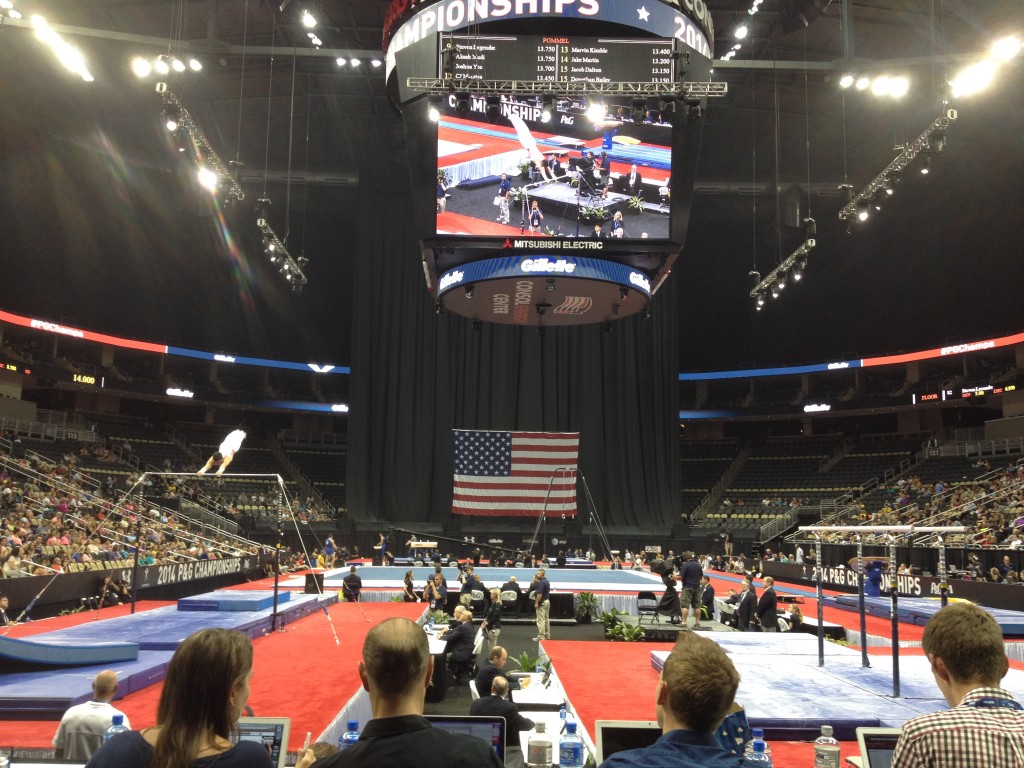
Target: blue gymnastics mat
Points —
{"points": [[54, 652], [843, 693], [917, 610], [234, 600], [47, 693]]}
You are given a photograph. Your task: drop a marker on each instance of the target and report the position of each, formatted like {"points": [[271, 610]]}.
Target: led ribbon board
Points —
{"points": [[408, 22], [544, 290]]}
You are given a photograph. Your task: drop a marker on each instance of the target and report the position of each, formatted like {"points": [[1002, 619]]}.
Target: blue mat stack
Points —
{"points": [[47, 673]]}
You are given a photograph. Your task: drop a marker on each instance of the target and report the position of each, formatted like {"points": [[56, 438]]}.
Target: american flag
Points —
{"points": [[507, 473]]}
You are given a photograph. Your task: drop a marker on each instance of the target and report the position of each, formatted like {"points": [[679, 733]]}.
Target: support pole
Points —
{"points": [[277, 566], [821, 600], [943, 580], [894, 608], [863, 610]]}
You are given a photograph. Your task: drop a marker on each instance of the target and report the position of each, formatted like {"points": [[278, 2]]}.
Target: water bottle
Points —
{"points": [[539, 748], [116, 726], [826, 749], [758, 756], [430, 624], [757, 734], [350, 737], [570, 747], [561, 717]]}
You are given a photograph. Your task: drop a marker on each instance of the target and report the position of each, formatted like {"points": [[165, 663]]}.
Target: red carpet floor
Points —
{"points": [[299, 673]]}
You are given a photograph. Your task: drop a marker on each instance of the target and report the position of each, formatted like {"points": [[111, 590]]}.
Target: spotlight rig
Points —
{"points": [[930, 142], [277, 252], [183, 124], [795, 264]]}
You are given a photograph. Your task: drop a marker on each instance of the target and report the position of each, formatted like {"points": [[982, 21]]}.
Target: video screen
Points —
{"points": [[566, 167]]}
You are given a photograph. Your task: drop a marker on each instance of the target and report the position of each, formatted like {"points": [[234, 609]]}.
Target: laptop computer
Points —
{"points": [[271, 732], [490, 730], [876, 747], [611, 736]]}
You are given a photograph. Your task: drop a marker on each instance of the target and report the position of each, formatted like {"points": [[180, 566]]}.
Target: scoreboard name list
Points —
{"points": [[560, 59]]}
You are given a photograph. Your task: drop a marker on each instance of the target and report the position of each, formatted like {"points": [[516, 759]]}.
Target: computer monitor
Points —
{"points": [[613, 736], [488, 729], [877, 745], [271, 732]]}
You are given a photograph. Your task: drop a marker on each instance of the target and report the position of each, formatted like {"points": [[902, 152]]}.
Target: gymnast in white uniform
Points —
{"points": [[224, 455]]}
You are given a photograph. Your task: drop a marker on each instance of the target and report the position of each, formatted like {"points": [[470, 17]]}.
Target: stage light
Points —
{"points": [[973, 79], [141, 67], [863, 210], [433, 113], [596, 112], [172, 117], [846, 81], [181, 139], [354, 62], [925, 165], [760, 301], [862, 83], [316, 41], [741, 31], [936, 142], [308, 20], [493, 108], [161, 65], [207, 178], [375, 62], [549, 285], [1006, 48], [195, 65], [469, 291], [340, 61], [775, 292], [177, 65], [781, 285], [547, 102]]}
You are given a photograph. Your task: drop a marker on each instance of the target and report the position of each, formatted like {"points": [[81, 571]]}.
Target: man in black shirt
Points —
{"points": [[495, 703], [746, 611], [542, 604], [351, 585], [496, 660], [707, 598], [460, 639], [396, 669], [690, 575]]}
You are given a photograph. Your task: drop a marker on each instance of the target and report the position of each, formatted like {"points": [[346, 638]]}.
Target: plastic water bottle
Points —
{"points": [[116, 726], [758, 756], [350, 737], [826, 749], [539, 669], [570, 747], [757, 734], [430, 624], [539, 748], [561, 717]]}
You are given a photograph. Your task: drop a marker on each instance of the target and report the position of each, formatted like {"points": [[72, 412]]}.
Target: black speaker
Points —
{"points": [[314, 584]]}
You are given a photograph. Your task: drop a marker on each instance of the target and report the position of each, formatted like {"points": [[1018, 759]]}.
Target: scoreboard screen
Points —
{"points": [[558, 59]]}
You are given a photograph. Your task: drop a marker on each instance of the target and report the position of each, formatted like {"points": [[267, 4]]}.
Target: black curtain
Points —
{"points": [[417, 375]]}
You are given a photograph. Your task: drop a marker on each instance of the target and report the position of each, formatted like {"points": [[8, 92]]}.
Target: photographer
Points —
{"points": [[669, 603]]}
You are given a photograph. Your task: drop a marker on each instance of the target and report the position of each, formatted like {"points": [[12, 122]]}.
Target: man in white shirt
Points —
{"points": [[83, 726]]}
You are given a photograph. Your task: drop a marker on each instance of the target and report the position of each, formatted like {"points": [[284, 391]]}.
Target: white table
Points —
{"points": [[536, 697]]}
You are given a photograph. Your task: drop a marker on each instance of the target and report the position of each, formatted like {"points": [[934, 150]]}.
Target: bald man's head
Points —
{"points": [[395, 657], [104, 686], [499, 687]]}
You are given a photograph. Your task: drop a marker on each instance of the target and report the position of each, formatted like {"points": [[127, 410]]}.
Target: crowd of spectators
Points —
{"points": [[53, 520]]}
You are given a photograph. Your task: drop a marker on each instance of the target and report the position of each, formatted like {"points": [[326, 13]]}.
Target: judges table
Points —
{"points": [[535, 697]]}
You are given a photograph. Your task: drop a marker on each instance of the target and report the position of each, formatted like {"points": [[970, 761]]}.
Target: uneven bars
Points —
{"points": [[225, 474]]}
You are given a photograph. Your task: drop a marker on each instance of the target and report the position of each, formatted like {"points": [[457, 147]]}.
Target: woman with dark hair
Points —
{"points": [[204, 693], [409, 595]]}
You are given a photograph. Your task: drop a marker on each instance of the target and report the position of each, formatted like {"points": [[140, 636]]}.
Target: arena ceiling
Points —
{"points": [[943, 262]]}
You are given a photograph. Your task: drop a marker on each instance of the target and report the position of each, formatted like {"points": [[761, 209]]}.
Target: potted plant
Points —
{"points": [[444, 177], [587, 607], [524, 169], [610, 619], [635, 204]]}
